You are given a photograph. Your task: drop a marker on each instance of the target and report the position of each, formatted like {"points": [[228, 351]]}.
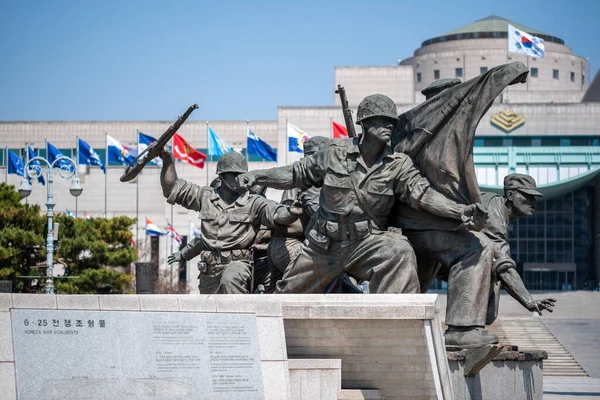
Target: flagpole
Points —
{"points": [[172, 235], [137, 195], [287, 142], [24, 170], [166, 256], [6, 163], [331, 127], [187, 270], [247, 133], [506, 99], [77, 167], [207, 149], [527, 72], [105, 174]]}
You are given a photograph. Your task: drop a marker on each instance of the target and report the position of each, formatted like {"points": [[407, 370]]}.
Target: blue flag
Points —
{"points": [[54, 153], [143, 142], [88, 156], [216, 145], [15, 164], [260, 148], [36, 165], [119, 152]]}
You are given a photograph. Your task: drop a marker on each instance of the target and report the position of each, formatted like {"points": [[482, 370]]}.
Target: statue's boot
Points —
{"points": [[468, 337]]}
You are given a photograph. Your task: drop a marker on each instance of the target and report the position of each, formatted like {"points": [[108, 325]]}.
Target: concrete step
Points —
{"points": [[532, 334], [360, 394]]}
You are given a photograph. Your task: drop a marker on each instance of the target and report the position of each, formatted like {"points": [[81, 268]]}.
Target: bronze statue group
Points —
{"points": [[396, 206]]}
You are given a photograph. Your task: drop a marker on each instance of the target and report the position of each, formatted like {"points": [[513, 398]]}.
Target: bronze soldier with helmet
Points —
{"points": [[360, 178], [229, 223]]}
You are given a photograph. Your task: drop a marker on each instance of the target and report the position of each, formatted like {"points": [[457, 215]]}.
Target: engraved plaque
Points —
{"points": [[63, 354]]}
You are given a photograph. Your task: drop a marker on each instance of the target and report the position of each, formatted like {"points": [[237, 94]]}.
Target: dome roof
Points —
{"points": [[492, 27]]}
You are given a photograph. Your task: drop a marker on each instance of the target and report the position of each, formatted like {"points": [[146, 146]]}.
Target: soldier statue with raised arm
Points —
{"points": [[229, 223]]}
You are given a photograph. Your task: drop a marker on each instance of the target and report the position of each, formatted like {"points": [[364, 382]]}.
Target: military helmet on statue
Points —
{"points": [[232, 162], [376, 105]]}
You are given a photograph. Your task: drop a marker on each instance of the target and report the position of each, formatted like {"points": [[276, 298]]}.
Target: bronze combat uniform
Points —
{"points": [[286, 241], [227, 231], [350, 233], [496, 230]]}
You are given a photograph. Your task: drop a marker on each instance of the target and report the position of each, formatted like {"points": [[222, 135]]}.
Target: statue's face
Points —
{"points": [[522, 204], [379, 128], [228, 178]]}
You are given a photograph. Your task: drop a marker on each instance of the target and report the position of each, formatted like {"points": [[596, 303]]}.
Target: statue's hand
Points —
{"points": [[296, 208], [175, 257], [166, 155], [245, 181], [540, 305], [474, 217]]}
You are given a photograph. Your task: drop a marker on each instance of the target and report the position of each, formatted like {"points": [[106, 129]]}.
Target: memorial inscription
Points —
{"points": [[63, 354]]}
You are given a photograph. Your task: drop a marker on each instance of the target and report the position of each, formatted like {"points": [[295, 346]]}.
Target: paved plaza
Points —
{"points": [[575, 323]]}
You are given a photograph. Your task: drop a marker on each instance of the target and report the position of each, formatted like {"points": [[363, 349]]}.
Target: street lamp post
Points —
{"points": [[66, 169]]}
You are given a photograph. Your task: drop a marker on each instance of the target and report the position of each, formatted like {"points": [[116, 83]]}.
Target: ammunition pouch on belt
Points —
{"points": [[342, 231], [211, 258]]}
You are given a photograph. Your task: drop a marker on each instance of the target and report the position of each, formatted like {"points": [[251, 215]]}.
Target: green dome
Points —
{"points": [[492, 27]]}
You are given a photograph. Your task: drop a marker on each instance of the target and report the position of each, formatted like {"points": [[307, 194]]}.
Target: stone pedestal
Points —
{"points": [[512, 374]]}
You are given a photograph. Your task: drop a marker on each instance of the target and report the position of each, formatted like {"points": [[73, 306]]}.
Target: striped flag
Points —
{"points": [[173, 233]]}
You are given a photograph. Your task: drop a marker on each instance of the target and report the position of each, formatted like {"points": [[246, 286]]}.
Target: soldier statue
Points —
{"points": [[439, 135], [287, 240], [229, 223], [360, 178], [520, 195]]}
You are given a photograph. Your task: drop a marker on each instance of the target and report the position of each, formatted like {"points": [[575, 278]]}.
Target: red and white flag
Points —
{"points": [[339, 131], [183, 151]]}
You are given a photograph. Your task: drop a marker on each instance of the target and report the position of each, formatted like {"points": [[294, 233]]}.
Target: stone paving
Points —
{"points": [[575, 323], [571, 388]]}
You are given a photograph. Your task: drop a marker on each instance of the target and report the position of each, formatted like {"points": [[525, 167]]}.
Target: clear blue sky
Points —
{"points": [[149, 60]]}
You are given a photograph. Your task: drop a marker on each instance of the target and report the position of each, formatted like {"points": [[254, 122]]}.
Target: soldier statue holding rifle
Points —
{"points": [[360, 178]]}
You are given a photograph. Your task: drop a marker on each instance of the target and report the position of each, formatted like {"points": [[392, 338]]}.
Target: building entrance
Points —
{"points": [[550, 276]]}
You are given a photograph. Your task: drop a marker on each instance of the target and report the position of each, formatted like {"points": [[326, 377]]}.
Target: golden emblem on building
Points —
{"points": [[507, 120]]}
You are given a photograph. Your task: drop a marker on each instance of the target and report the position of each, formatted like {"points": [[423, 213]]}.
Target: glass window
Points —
{"points": [[522, 142], [582, 80], [572, 76], [555, 74], [550, 141], [479, 142], [436, 74], [580, 141], [534, 72], [483, 70], [565, 142], [418, 77], [493, 142], [458, 72]]}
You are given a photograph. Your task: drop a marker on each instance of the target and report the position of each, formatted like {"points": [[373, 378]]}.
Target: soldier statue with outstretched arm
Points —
{"points": [[229, 223], [520, 196], [286, 241], [360, 178]]}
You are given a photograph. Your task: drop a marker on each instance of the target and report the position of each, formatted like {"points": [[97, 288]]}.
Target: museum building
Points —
{"points": [[548, 128]]}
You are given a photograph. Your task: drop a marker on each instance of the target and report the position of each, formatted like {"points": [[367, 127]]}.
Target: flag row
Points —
{"points": [[123, 153]]}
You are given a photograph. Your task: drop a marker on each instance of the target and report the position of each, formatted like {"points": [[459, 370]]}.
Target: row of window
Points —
{"points": [[560, 231], [538, 141], [458, 73]]}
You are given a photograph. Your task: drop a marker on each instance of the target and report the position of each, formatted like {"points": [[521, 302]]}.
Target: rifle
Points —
{"points": [[346, 110], [155, 148]]}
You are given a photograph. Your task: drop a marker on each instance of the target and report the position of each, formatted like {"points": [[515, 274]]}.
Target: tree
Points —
{"points": [[23, 233], [94, 251], [87, 246]]}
